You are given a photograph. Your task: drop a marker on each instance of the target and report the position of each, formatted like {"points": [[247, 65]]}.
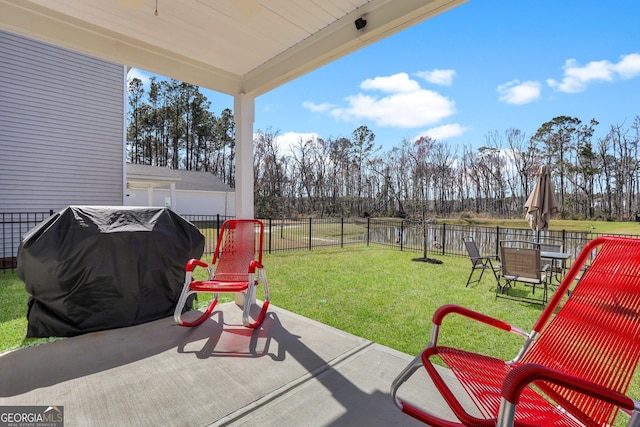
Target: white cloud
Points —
{"points": [[397, 83], [576, 77], [287, 140], [629, 66], [268, 108], [404, 104], [401, 110], [438, 77], [443, 132], [317, 108], [519, 93]]}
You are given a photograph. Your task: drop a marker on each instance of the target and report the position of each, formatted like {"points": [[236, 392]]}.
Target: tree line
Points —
{"points": [[172, 125]]}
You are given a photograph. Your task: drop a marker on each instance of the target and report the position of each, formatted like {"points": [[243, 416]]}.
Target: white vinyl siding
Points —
{"points": [[62, 117]]}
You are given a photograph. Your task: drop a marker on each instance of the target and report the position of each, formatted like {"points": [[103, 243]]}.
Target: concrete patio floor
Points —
{"points": [[293, 371]]}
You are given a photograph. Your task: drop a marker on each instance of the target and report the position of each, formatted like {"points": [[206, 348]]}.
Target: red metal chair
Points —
{"points": [[235, 269], [575, 366]]}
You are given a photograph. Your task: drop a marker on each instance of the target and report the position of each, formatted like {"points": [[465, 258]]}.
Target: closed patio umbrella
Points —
{"points": [[541, 204]]}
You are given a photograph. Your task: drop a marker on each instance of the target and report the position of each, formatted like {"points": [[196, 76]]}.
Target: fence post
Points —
{"points": [[444, 237], [368, 229], [309, 233], [270, 233], [401, 233], [282, 227], [497, 241], [342, 232]]}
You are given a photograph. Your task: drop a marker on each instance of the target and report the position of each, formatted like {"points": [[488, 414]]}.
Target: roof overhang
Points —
{"points": [[230, 46], [145, 181]]}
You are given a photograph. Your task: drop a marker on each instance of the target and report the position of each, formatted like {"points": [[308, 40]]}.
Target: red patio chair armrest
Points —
{"points": [[447, 309], [192, 263], [518, 378], [253, 265], [444, 310]]}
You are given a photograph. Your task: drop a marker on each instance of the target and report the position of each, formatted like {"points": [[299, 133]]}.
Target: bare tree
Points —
{"points": [[582, 174], [443, 159], [558, 136], [136, 92], [523, 154], [362, 149], [174, 127], [269, 176]]}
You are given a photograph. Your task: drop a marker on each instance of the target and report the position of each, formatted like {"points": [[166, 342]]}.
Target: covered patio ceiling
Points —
{"points": [[229, 46], [243, 48]]}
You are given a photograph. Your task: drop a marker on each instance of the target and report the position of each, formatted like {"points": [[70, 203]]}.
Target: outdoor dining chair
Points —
{"points": [[522, 265], [236, 268], [478, 262], [574, 367], [556, 267]]}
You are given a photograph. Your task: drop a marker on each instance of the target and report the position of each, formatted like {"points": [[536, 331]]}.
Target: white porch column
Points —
{"points": [[172, 194], [244, 115], [150, 195]]}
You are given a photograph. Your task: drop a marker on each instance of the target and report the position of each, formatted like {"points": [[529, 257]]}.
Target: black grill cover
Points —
{"points": [[96, 268]]}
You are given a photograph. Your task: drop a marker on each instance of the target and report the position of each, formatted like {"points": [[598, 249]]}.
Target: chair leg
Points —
{"points": [[408, 408], [495, 274], [260, 278], [500, 289], [403, 376], [177, 314], [469, 279], [470, 275], [249, 296], [184, 295], [204, 316]]}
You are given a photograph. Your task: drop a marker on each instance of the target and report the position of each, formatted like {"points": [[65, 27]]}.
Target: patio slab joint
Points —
{"points": [[292, 386]]}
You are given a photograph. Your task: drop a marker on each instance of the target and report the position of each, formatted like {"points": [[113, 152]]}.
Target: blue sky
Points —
{"points": [[485, 66]]}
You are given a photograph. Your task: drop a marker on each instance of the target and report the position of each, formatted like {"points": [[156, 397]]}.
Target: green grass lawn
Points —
{"points": [[382, 295], [373, 292]]}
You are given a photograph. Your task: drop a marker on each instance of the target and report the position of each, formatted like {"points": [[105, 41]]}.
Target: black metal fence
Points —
{"points": [[287, 234], [429, 238], [443, 239], [13, 225]]}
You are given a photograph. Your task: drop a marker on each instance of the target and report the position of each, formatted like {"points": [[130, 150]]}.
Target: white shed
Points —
{"points": [[185, 192]]}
